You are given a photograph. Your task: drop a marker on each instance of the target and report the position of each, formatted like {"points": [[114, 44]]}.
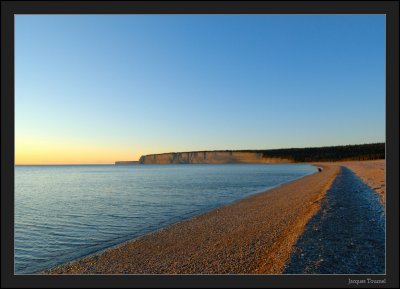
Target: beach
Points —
{"points": [[260, 234]]}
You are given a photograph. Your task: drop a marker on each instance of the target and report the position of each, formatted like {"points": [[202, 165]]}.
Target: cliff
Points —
{"points": [[211, 157], [312, 154]]}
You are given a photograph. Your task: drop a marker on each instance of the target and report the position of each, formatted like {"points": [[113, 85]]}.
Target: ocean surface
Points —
{"points": [[66, 212]]}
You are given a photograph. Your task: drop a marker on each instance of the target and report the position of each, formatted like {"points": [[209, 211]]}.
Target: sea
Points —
{"points": [[65, 212]]}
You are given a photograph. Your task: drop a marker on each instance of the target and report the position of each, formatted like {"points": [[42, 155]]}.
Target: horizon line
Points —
{"points": [[80, 164]]}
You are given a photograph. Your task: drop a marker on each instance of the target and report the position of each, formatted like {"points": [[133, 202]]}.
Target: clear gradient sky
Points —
{"points": [[101, 88]]}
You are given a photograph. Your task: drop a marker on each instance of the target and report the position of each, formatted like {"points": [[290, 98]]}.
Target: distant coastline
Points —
{"points": [[359, 152], [124, 163]]}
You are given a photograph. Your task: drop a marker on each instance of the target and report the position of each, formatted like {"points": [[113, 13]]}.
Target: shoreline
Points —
{"points": [[219, 241], [99, 252]]}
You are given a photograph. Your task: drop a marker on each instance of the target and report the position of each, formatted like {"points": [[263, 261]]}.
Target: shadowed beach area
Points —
{"points": [[328, 222], [370, 172]]}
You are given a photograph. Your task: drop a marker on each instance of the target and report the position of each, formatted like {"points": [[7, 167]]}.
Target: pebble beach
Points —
{"points": [[260, 234]]}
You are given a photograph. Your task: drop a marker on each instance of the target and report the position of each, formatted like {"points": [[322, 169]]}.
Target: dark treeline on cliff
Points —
{"points": [[312, 154], [332, 153]]}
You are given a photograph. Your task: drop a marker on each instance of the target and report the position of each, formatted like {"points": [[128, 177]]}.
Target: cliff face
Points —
{"points": [[213, 157], [287, 155]]}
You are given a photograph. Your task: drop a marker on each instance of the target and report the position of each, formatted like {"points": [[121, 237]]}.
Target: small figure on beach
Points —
{"points": [[320, 169]]}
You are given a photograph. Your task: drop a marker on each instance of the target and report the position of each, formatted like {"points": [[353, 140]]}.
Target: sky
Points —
{"points": [[95, 89]]}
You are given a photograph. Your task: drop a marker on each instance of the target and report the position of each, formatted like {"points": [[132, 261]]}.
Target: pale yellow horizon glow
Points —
{"points": [[37, 149], [58, 153]]}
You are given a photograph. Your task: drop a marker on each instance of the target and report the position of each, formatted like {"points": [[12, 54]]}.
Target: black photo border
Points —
{"points": [[10, 8]]}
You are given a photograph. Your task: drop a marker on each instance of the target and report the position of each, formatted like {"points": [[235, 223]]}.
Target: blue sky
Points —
{"points": [[100, 88]]}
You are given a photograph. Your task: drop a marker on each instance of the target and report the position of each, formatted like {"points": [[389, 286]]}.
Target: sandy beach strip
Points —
{"points": [[372, 173], [251, 236]]}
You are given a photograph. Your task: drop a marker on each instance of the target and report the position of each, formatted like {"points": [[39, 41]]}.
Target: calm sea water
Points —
{"points": [[66, 212]]}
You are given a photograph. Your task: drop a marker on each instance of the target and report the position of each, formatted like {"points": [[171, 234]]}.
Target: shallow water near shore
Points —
{"points": [[66, 212]]}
